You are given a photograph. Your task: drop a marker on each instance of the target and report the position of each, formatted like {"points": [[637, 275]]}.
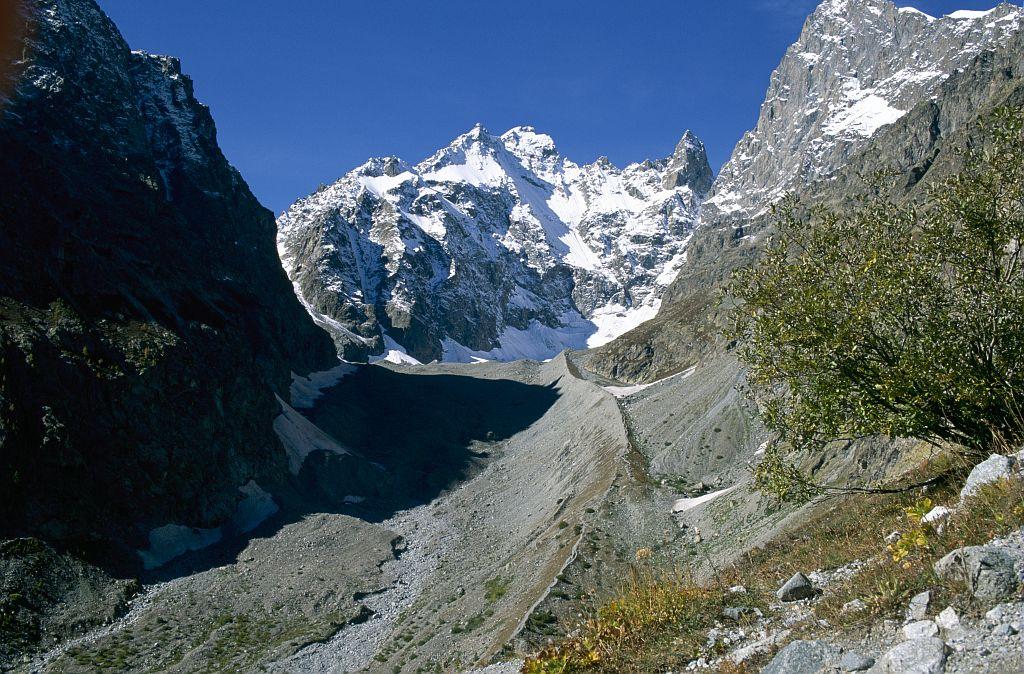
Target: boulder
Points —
{"points": [[921, 629], [796, 588], [948, 619], [992, 469], [989, 572], [803, 657], [937, 514], [918, 608], [853, 661], [917, 656]]}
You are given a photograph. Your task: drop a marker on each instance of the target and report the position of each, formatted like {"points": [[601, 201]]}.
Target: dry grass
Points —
{"points": [[655, 623], [659, 622]]}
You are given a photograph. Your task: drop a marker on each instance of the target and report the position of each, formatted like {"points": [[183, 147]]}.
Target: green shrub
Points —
{"points": [[895, 319]]}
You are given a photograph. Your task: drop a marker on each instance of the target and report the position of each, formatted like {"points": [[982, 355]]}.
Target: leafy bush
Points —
{"points": [[895, 319]]}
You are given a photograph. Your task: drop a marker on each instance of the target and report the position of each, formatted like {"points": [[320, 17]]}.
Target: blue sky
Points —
{"points": [[303, 91]]}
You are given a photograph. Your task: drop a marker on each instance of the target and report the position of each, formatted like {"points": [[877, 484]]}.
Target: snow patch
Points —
{"points": [[305, 391], [173, 540], [970, 14], [684, 504], [394, 353], [301, 437], [625, 391], [864, 117]]}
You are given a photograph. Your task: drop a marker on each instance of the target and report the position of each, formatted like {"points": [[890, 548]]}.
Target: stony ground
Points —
{"points": [[437, 587]]}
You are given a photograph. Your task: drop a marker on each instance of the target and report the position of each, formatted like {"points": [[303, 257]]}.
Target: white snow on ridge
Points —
{"points": [[970, 14], [914, 10]]}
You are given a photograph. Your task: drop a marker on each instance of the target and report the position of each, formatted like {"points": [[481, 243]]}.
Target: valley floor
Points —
{"points": [[439, 586]]}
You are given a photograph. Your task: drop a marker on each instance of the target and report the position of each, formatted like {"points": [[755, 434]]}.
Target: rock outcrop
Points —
{"points": [[145, 322]]}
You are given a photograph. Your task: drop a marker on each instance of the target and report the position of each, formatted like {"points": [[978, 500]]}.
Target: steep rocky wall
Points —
{"points": [[145, 322]]}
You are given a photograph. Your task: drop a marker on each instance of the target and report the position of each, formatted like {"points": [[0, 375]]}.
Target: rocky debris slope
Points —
{"points": [[145, 323], [945, 71], [495, 247], [980, 633], [442, 585]]}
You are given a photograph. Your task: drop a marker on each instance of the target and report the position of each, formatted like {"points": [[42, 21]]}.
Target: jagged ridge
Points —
{"points": [[495, 247]]}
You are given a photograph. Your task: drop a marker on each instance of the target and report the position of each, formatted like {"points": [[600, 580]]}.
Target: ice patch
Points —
{"points": [[173, 540], [684, 504], [615, 320], [301, 437], [537, 342], [304, 391]]}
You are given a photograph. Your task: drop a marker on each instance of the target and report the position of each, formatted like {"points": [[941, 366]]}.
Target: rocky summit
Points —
{"points": [[496, 247]]}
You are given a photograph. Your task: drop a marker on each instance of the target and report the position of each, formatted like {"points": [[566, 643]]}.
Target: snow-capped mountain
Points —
{"points": [[857, 66], [856, 69], [495, 247]]}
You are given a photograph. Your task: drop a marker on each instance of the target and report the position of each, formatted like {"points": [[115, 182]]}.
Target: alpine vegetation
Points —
{"points": [[897, 319]]}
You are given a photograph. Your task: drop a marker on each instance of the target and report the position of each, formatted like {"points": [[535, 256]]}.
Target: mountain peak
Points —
{"points": [[528, 145], [689, 165]]}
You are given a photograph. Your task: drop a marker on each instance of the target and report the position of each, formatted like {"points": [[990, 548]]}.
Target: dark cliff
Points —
{"points": [[145, 320]]}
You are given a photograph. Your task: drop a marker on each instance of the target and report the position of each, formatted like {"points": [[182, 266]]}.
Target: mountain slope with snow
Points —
{"points": [[857, 66], [850, 78], [496, 247]]}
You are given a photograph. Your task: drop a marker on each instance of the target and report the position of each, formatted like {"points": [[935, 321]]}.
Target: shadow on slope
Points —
{"points": [[412, 437], [427, 432]]}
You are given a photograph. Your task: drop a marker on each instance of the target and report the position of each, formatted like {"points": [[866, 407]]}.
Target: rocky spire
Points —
{"points": [[689, 166]]}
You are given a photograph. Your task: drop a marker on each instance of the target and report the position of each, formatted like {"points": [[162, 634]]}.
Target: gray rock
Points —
{"points": [[948, 619], [917, 656], [853, 661], [921, 629], [989, 572], [796, 588], [1005, 630], [804, 130], [1002, 613], [992, 469], [918, 608], [738, 612], [803, 657]]}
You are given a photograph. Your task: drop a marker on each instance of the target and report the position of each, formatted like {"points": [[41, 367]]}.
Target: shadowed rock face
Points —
{"points": [[428, 433], [145, 322]]}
